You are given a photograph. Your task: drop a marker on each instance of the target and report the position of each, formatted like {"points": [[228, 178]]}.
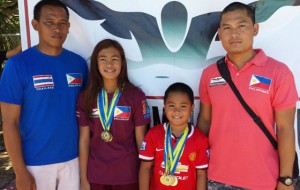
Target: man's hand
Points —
{"points": [[25, 181], [281, 186]]}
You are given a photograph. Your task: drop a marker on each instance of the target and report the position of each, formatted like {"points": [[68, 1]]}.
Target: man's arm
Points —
{"points": [[12, 139], [14, 51], [286, 143], [204, 118]]}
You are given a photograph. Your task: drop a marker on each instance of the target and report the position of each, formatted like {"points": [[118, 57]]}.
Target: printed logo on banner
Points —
{"points": [[122, 113], [43, 82], [74, 79], [260, 83]]}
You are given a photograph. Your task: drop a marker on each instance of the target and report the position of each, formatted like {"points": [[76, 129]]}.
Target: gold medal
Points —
{"points": [[166, 180], [106, 112], [175, 181], [106, 136], [162, 180]]}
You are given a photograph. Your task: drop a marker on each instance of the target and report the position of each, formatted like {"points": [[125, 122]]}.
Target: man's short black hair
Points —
{"points": [[240, 6], [38, 7]]}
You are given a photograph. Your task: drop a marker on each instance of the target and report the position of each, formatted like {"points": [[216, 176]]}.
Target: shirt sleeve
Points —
{"points": [[12, 83], [203, 152], [81, 115], [147, 149], [203, 88], [141, 112], [285, 93]]}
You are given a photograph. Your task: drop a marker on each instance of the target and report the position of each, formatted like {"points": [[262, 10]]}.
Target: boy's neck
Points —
{"points": [[177, 131]]}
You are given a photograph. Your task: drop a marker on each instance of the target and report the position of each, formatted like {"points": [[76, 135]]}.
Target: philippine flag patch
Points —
{"points": [[122, 113], [260, 82], [74, 79], [42, 81]]}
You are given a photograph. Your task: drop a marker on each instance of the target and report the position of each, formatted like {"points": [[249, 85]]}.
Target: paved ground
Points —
{"points": [[12, 186]]}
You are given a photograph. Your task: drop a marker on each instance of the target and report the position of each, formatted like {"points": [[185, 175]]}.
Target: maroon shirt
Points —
{"points": [[115, 162]]}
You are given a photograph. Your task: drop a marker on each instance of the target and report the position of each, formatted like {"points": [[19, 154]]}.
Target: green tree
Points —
{"points": [[9, 24]]}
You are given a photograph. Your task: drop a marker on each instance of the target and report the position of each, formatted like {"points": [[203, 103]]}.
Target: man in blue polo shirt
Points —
{"points": [[39, 88]]}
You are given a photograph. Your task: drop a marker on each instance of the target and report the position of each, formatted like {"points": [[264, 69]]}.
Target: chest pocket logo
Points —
{"points": [[122, 113], [74, 79], [43, 82]]}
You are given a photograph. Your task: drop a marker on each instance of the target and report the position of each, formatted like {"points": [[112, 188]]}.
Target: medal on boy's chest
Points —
{"points": [[168, 180], [106, 112], [172, 156]]}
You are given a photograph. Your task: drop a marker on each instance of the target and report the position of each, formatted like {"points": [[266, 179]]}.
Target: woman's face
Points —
{"points": [[109, 63]]}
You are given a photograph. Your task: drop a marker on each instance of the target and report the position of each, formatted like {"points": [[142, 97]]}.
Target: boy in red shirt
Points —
{"points": [[175, 154]]}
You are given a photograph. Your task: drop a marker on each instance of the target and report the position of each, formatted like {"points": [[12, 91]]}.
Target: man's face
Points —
{"points": [[237, 31], [53, 27]]}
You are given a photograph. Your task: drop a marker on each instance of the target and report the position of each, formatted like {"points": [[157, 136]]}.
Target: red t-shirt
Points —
{"points": [[115, 162], [241, 154], [194, 156]]}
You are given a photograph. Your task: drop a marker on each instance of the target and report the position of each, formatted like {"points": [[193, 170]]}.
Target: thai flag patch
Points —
{"points": [[260, 82], [43, 81], [94, 113], [122, 113], [74, 79]]}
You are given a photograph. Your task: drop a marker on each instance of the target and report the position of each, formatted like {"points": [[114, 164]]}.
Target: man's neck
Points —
{"points": [[49, 51], [240, 60]]}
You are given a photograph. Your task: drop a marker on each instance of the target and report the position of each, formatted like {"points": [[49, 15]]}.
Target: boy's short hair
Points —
{"points": [[38, 7], [180, 87], [239, 6]]}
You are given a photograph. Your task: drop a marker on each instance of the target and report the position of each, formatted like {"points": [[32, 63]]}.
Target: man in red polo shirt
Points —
{"points": [[241, 156]]}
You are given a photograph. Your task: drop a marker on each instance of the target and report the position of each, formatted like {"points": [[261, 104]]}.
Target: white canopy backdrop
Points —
{"points": [[168, 41]]}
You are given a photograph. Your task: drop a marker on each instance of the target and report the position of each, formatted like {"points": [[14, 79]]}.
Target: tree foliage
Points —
{"points": [[9, 24]]}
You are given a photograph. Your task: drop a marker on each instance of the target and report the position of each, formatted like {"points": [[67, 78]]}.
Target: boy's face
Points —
{"points": [[178, 108]]}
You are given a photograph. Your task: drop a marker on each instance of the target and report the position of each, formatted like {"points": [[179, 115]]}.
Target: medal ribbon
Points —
{"points": [[106, 111], [172, 155]]}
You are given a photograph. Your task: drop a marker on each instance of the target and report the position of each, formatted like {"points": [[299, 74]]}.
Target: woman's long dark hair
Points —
{"points": [[95, 83]]}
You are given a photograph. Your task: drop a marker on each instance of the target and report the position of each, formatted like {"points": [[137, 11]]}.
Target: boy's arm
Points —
{"points": [[12, 138], [201, 179], [204, 118], [144, 175]]}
